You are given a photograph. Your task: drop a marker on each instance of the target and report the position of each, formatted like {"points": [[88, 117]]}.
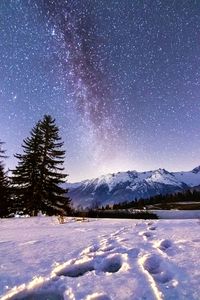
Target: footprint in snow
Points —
{"points": [[77, 269], [146, 234], [153, 264], [153, 227], [150, 223], [111, 264], [165, 244], [90, 250], [92, 260], [104, 246]]}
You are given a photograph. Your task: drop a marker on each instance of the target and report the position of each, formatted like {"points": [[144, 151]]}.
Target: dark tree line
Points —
{"points": [[115, 214], [4, 185], [37, 182], [185, 196]]}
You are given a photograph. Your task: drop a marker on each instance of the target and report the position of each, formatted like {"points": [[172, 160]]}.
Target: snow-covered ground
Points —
{"points": [[99, 259]]}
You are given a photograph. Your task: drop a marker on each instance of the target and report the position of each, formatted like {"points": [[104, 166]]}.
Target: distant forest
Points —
{"points": [[187, 196]]}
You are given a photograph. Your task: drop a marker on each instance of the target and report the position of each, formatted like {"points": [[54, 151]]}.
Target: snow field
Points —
{"points": [[99, 259]]}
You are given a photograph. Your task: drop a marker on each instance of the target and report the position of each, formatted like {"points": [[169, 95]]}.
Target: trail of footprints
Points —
{"points": [[106, 256], [157, 264], [109, 256], [92, 260]]}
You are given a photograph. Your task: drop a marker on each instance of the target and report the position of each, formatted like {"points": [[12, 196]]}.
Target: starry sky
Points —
{"points": [[121, 78]]}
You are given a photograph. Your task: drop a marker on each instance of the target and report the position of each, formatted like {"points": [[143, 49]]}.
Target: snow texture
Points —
{"points": [[99, 259]]}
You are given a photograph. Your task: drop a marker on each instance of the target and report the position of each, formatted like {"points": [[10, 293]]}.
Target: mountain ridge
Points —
{"points": [[127, 186]]}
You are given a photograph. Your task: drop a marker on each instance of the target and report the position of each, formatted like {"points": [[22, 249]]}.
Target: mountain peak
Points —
{"points": [[196, 170], [127, 186], [162, 171]]}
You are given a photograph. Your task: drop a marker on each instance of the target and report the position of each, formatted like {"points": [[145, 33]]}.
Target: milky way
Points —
{"points": [[122, 79], [81, 57]]}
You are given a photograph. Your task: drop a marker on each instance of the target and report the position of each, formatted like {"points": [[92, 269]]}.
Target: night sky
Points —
{"points": [[121, 77]]}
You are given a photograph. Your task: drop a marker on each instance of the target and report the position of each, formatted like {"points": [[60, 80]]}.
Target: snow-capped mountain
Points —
{"points": [[127, 186]]}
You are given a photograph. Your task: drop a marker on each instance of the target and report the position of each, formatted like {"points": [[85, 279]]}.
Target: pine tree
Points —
{"points": [[4, 187], [39, 175], [51, 170], [26, 176]]}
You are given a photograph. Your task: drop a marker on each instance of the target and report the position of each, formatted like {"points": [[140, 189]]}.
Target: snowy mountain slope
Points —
{"points": [[127, 186], [191, 178]]}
